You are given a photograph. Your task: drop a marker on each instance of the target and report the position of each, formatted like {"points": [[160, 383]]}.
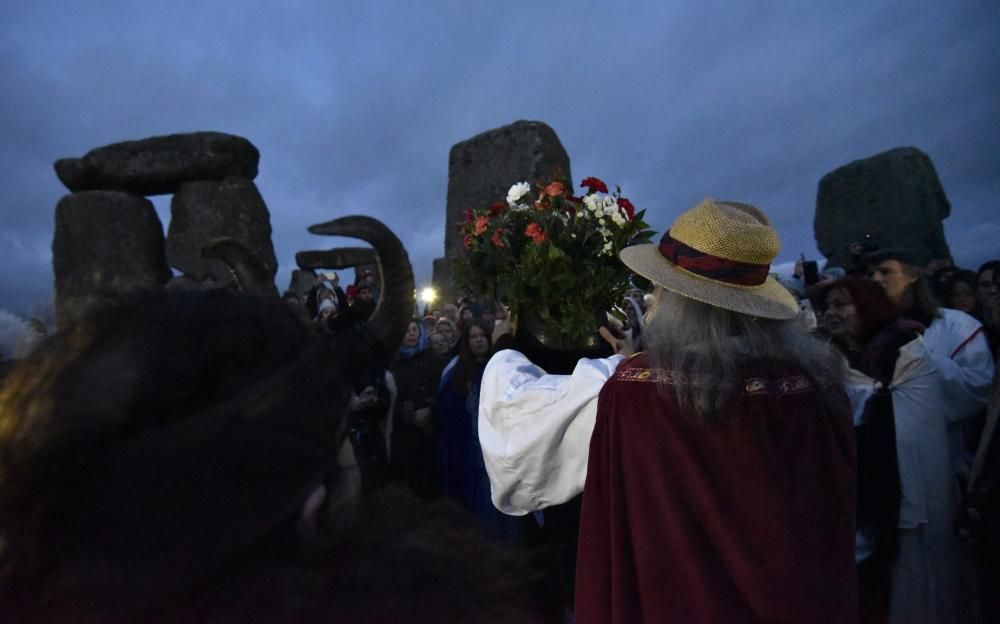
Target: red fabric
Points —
{"points": [[712, 267], [750, 520]]}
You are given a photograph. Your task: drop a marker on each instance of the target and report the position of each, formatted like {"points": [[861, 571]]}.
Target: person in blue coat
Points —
{"points": [[461, 471]]}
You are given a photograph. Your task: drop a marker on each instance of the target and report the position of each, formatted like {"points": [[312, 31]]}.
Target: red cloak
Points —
{"points": [[746, 520]]}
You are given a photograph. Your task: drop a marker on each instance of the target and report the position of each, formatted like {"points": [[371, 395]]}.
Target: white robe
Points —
{"points": [[927, 575], [962, 357]]}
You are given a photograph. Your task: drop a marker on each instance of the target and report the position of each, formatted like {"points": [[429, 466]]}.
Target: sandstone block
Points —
{"points": [[159, 165], [106, 243], [895, 196], [482, 169], [302, 282], [206, 210]]}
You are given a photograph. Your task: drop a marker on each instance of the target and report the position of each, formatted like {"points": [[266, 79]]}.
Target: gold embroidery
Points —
{"points": [[752, 385]]}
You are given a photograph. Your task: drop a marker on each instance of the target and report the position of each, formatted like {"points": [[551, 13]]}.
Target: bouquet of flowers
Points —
{"points": [[550, 253]]}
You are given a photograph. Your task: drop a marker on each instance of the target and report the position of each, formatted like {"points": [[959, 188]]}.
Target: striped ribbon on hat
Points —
{"points": [[712, 267]]}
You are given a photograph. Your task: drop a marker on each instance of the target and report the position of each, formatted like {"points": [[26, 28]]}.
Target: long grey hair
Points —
{"points": [[715, 349]]}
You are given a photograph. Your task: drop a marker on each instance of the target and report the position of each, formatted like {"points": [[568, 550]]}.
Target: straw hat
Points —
{"points": [[719, 253]]}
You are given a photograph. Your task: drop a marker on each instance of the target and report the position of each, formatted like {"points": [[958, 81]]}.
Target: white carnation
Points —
{"points": [[517, 191], [593, 203]]}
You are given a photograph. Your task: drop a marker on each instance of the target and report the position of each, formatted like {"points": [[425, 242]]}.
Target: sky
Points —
{"points": [[355, 105]]}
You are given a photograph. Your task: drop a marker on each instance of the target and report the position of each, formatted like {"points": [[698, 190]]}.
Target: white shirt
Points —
{"points": [[535, 428]]}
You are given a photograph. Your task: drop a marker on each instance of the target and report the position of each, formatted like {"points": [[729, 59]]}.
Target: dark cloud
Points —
{"points": [[354, 105]]}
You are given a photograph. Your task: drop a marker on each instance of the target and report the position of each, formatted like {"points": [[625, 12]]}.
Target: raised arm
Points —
{"points": [[535, 428]]}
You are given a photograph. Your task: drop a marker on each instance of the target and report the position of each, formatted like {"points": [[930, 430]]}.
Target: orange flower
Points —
{"points": [[498, 238], [555, 189], [482, 222], [536, 233]]}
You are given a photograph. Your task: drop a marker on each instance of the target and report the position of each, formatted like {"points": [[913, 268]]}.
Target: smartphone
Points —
{"points": [[810, 272]]}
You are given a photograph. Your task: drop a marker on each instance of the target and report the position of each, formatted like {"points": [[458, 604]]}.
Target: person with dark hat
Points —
{"points": [[717, 467]]}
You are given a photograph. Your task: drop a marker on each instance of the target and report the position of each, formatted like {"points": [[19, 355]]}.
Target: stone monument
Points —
{"points": [[105, 243], [894, 197], [108, 238], [482, 169]]}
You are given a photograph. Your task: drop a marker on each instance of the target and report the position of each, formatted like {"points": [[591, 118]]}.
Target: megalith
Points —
{"points": [[302, 281], [208, 209], [894, 197], [482, 169], [159, 165], [106, 243]]}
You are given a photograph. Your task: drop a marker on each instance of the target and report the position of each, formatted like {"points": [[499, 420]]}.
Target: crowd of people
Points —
{"points": [[419, 426], [917, 345], [922, 373], [821, 448], [918, 377]]}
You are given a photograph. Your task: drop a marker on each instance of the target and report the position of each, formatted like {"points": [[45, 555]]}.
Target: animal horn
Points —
{"points": [[250, 275], [395, 306], [340, 258]]}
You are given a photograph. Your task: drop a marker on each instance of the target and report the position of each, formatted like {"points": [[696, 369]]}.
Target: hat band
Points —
{"points": [[712, 267]]}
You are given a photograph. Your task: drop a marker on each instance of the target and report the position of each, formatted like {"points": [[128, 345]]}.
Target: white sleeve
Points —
{"points": [[964, 362], [535, 428]]}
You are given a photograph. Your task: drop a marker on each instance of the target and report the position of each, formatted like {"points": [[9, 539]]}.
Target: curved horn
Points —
{"points": [[249, 273], [340, 258], [395, 306]]}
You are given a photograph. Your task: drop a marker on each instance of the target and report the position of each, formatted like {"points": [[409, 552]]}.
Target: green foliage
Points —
{"points": [[551, 253]]}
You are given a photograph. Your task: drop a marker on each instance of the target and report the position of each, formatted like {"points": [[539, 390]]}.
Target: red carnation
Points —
{"points": [[467, 241], [482, 223], [627, 206], [498, 238], [594, 185], [497, 208], [469, 215], [536, 233]]}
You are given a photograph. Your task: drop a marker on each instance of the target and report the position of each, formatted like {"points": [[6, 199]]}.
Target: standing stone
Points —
{"points": [[206, 210], [895, 196], [302, 282], [106, 243], [482, 169], [159, 165]]}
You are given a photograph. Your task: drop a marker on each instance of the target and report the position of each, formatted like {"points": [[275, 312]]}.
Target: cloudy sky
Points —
{"points": [[354, 105]]}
